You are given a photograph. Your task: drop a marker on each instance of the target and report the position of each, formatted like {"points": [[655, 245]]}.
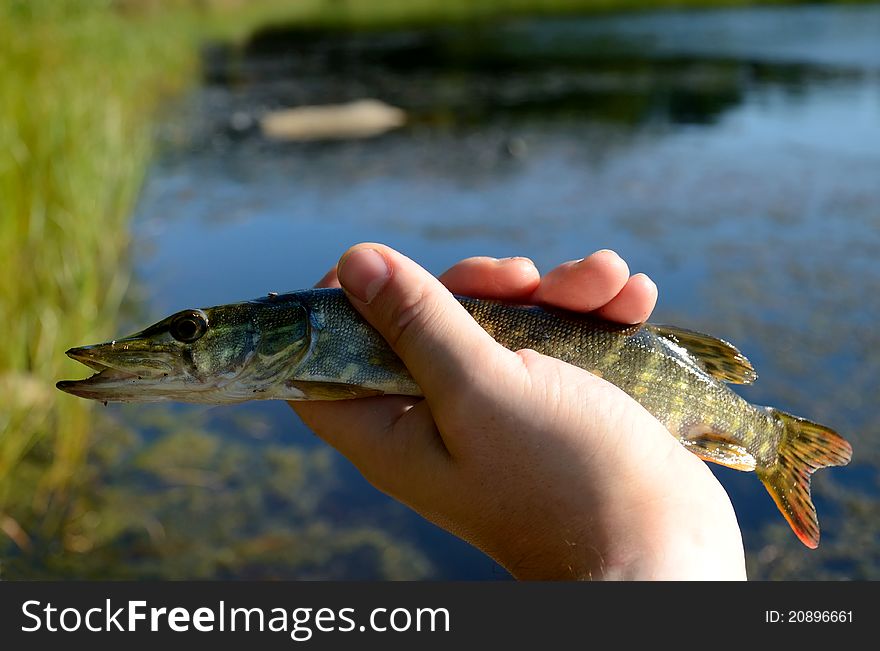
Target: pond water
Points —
{"points": [[732, 155]]}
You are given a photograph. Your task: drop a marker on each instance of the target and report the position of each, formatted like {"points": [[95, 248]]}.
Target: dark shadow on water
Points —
{"points": [[481, 74]]}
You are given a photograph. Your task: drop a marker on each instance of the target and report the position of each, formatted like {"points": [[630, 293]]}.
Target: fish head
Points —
{"points": [[216, 355]]}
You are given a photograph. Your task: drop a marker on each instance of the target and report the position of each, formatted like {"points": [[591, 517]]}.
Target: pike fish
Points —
{"points": [[313, 345]]}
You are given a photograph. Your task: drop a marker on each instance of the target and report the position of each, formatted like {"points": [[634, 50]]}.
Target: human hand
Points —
{"points": [[547, 468]]}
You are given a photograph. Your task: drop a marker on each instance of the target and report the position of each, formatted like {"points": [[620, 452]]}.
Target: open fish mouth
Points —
{"points": [[104, 373], [108, 379]]}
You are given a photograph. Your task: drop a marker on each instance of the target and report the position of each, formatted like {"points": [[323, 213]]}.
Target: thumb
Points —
{"points": [[438, 341]]}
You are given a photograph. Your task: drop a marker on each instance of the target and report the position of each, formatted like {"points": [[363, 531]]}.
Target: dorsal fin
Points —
{"points": [[717, 357]]}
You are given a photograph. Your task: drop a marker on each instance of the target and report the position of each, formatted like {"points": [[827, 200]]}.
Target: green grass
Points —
{"points": [[80, 83], [73, 146]]}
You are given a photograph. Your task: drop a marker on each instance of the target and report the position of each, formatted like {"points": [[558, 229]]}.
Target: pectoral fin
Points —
{"points": [[720, 359], [306, 390]]}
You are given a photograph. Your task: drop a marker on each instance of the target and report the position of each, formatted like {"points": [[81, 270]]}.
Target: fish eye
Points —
{"points": [[188, 326]]}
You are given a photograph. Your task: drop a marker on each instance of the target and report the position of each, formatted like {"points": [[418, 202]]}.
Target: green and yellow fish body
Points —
{"points": [[312, 345]]}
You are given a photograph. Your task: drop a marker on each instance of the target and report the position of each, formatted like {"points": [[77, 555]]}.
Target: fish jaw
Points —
{"points": [[126, 358], [115, 385], [126, 372], [109, 385]]}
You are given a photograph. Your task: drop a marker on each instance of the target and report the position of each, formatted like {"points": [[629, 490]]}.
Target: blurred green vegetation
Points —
{"points": [[73, 147], [81, 82]]}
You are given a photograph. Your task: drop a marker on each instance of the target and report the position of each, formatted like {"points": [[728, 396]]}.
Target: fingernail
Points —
{"points": [[515, 258], [363, 273], [600, 252], [645, 278]]}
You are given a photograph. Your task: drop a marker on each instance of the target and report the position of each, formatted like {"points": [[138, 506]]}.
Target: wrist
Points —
{"points": [[689, 534], [683, 538]]}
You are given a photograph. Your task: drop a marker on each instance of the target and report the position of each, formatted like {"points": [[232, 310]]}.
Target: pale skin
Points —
{"points": [[550, 470]]}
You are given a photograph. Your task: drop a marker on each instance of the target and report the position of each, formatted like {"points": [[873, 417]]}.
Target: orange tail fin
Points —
{"points": [[805, 447]]}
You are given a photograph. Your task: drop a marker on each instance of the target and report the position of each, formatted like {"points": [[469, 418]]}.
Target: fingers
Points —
{"points": [[634, 303], [329, 280], [505, 279], [599, 283], [584, 285], [508, 279], [441, 345]]}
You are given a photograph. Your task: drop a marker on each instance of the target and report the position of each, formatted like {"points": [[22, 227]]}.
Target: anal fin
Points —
{"points": [[719, 448], [719, 358]]}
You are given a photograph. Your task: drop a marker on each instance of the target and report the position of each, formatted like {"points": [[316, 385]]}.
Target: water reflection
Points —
{"points": [[734, 156]]}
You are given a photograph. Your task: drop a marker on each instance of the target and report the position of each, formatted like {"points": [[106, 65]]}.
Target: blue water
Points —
{"points": [[732, 155]]}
